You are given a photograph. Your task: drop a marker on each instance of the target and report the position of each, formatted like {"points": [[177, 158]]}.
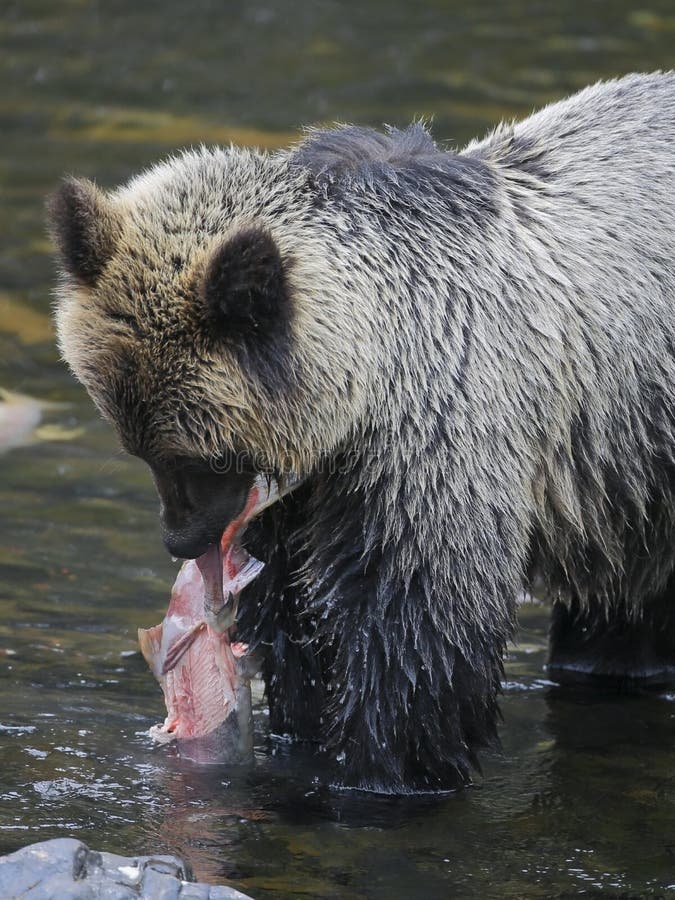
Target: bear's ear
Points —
{"points": [[245, 286], [84, 228]]}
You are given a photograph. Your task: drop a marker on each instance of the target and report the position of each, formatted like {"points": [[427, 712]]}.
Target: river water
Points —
{"points": [[581, 800]]}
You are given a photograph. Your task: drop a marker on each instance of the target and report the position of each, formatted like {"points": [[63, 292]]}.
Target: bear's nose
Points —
{"points": [[187, 544]]}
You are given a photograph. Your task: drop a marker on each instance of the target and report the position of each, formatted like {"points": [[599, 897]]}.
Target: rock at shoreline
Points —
{"points": [[66, 868]]}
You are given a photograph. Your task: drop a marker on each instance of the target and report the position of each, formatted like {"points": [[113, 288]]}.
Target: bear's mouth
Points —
{"points": [[204, 510], [221, 611], [199, 500]]}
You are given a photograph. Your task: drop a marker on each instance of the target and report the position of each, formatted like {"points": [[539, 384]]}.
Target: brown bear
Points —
{"points": [[467, 361]]}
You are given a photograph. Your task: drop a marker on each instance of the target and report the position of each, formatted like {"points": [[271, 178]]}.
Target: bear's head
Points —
{"points": [[199, 308]]}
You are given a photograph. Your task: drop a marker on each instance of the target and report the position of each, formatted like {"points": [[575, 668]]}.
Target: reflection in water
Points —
{"points": [[582, 797]]}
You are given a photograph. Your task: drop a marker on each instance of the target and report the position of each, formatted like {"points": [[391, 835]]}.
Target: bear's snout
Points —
{"points": [[197, 504]]}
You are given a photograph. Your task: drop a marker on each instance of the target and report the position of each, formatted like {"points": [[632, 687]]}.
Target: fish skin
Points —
{"points": [[205, 677]]}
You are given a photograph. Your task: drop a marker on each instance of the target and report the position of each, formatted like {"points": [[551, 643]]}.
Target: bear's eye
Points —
{"points": [[128, 321]]}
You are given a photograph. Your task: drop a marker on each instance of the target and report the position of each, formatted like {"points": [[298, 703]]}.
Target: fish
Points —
{"points": [[20, 418], [204, 674]]}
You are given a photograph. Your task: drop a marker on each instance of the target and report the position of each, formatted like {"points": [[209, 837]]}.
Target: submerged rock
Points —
{"points": [[66, 867]]}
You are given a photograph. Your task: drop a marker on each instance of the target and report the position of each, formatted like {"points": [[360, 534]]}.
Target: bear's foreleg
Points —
{"points": [[406, 708], [412, 617]]}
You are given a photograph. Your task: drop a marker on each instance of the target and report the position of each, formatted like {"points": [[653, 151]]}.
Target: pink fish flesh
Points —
{"points": [[204, 677]]}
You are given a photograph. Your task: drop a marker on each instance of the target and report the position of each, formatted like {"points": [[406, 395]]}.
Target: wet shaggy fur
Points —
{"points": [[471, 358]]}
